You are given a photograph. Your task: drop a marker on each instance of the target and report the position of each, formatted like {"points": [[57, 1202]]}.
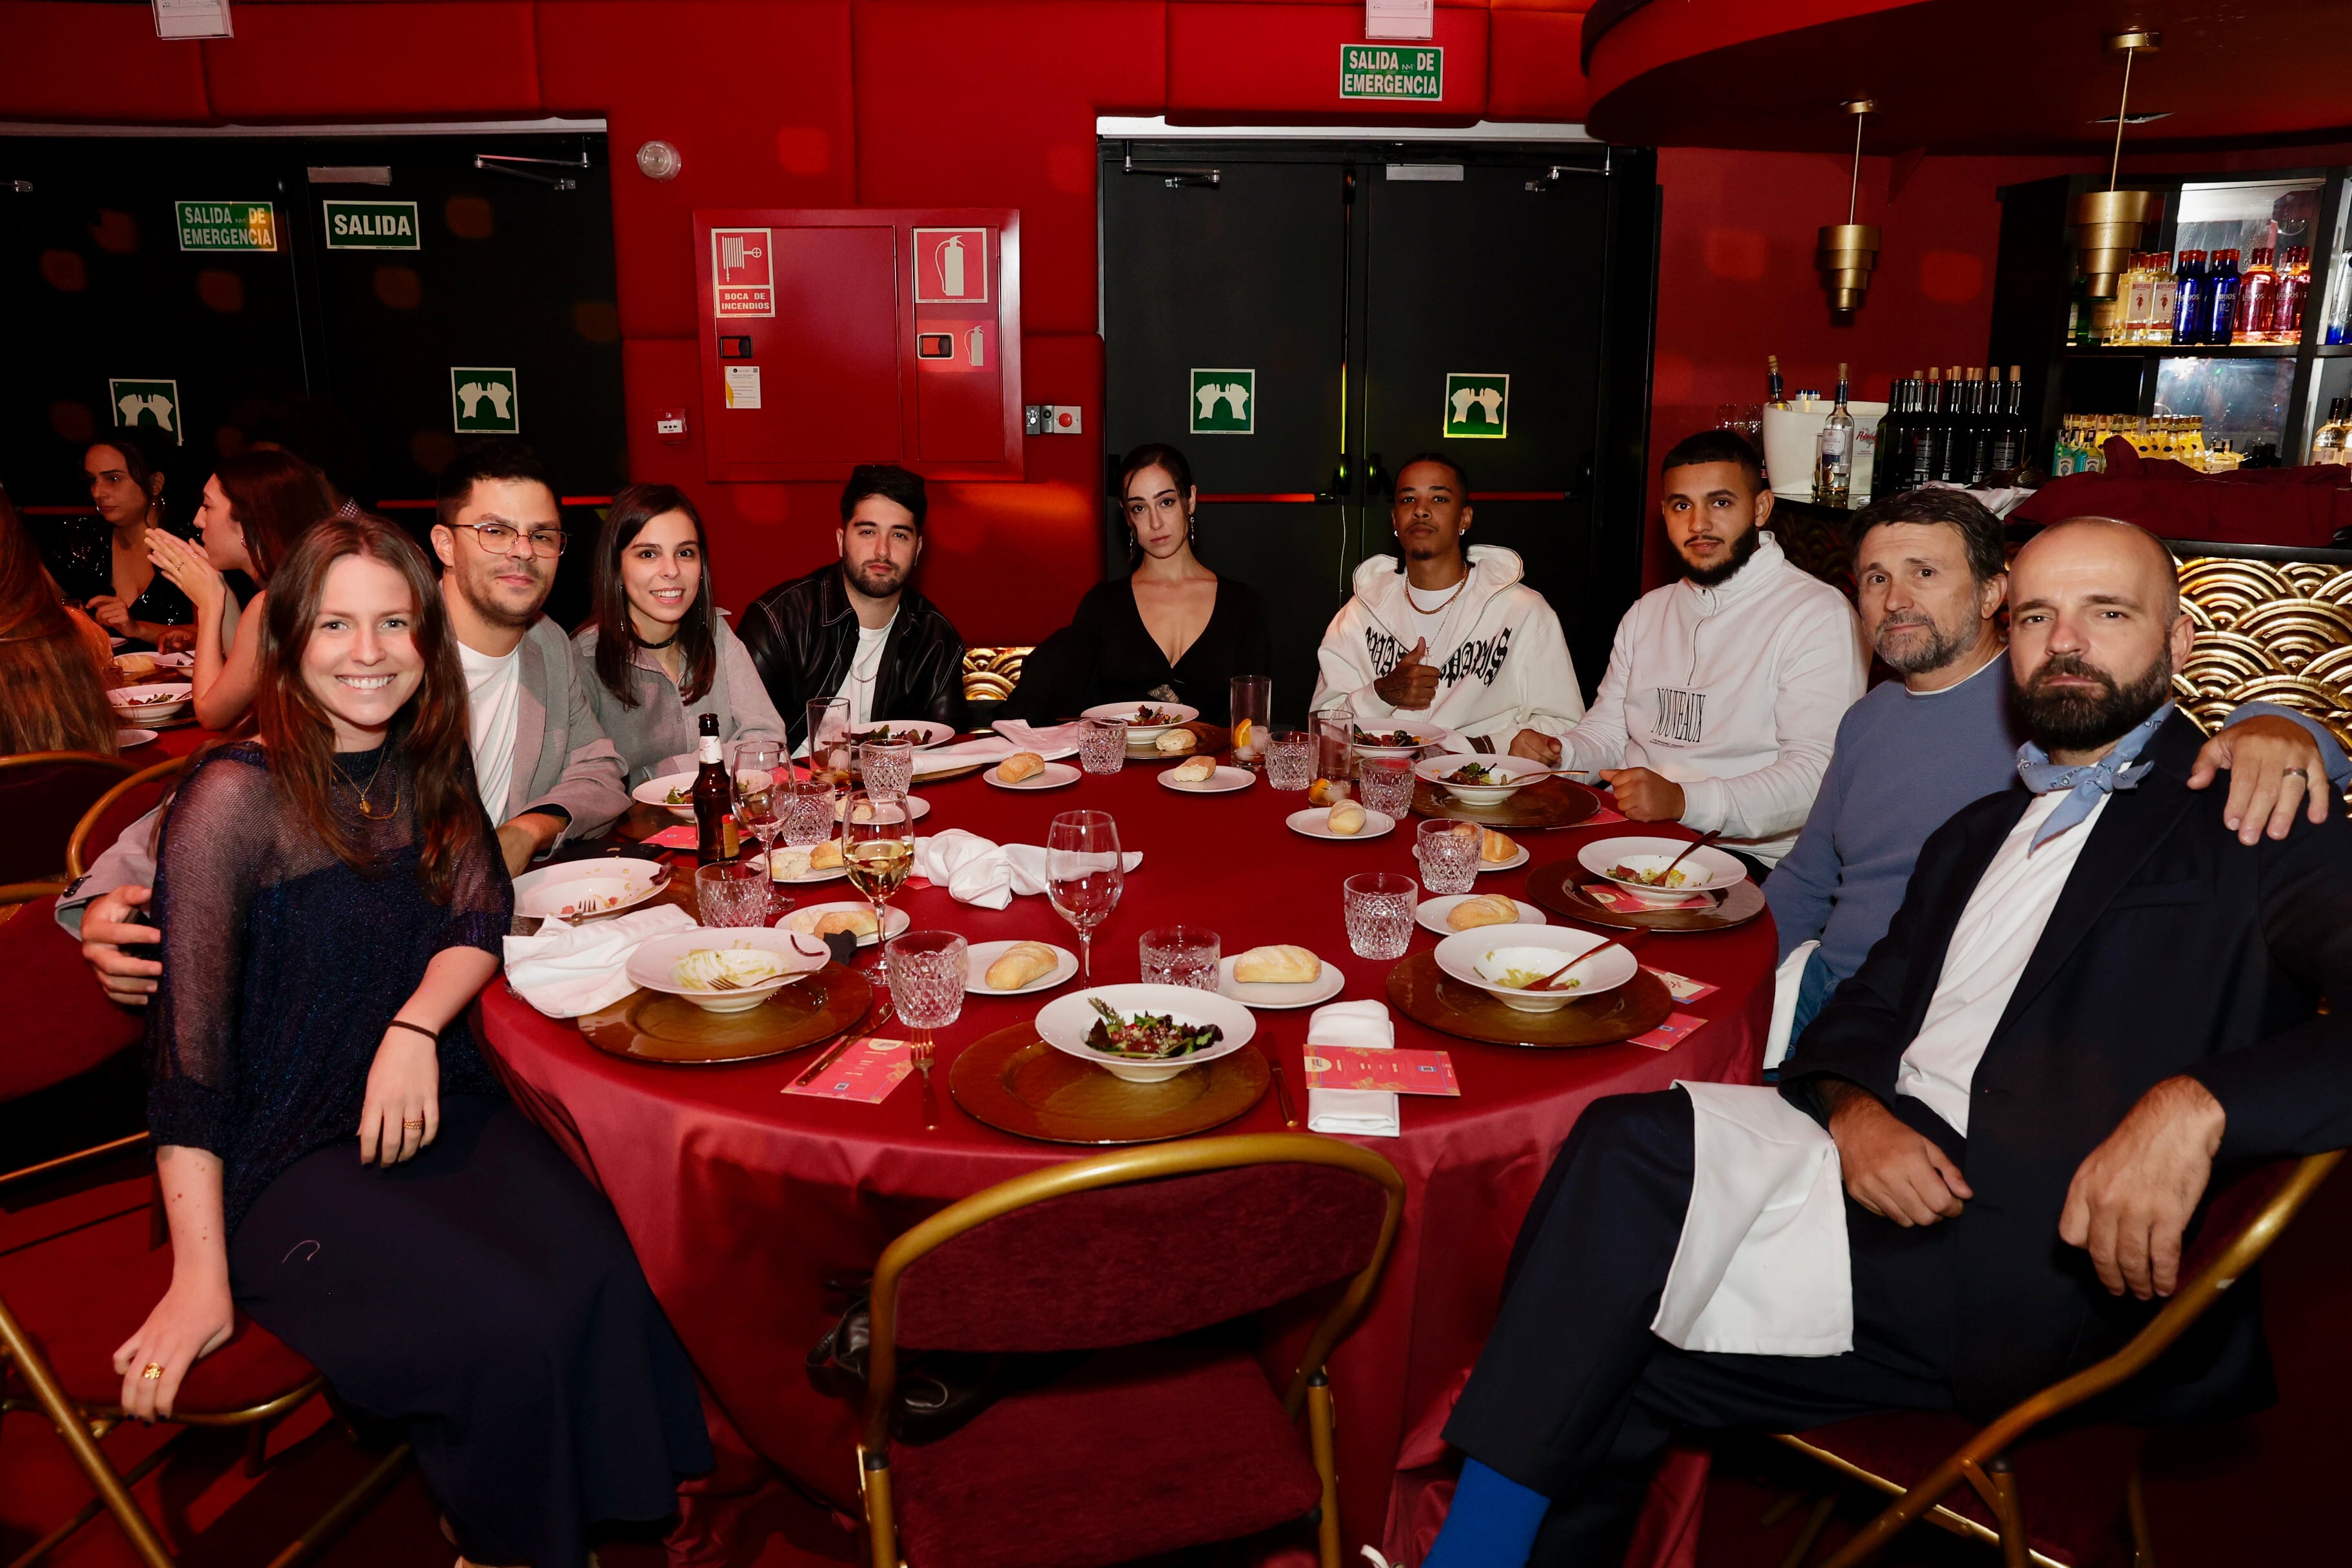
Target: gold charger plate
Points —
{"points": [[1558, 887], [653, 1027], [1427, 994], [1018, 1084], [1548, 803]]}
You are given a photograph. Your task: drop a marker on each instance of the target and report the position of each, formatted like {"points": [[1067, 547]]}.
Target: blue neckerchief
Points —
{"points": [[2084, 784]]}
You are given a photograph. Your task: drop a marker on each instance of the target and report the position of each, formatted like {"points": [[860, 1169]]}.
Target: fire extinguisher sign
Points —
{"points": [[743, 272], [951, 267]]}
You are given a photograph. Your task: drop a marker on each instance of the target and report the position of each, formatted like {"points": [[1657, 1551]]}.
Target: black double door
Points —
{"points": [[1372, 301]]}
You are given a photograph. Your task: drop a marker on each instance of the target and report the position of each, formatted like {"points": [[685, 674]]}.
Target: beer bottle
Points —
{"points": [[714, 800]]}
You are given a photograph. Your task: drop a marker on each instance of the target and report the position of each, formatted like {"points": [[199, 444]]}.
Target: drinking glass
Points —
{"points": [[762, 784], [1102, 745], [926, 978], [1084, 876], [1448, 855], [888, 767], [732, 893], [808, 813], [1180, 955], [1335, 740], [1251, 713], [1385, 785], [1378, 906], [879, 852], [828, 737], [1290, 759]]}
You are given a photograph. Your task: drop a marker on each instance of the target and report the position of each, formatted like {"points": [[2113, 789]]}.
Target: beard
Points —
{"points": [[1939, 649], [861, 581], [2061, 721], [1724, 572], [482, 598]]}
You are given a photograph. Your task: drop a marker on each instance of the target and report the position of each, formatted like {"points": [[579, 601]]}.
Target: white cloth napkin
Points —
{"points": [[1367, 1112], [568, 970], [940, 758], [1039, 738], [976, 870], [1787, 982]]}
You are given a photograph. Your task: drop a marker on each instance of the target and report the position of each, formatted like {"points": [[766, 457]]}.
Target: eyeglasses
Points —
{"points": [[498, 538]]}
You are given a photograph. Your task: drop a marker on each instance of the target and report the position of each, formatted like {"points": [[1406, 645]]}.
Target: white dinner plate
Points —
{"points": [[1513, 863], [1224, 781], [126, 739], [1432, 913], [1425, 737], [893, 920], [1259, 993], [917, 808], [653, 792], [1064, 1023], [1707, 868], [1126, 711], [980, 956], [1056, 776], [156, 700], [948, 759], [1312, 821], [653, 964], [161, 661], [927, 732], [588, 890], [830, 874]]}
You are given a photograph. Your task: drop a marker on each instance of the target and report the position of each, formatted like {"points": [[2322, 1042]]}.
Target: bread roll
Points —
{"points": [[1496, 847], [1020, 765], [136, 666], [1347, 818], [1176, 743], [1328, 792], [1278, 966], [826, 856], [858, 922], [1198, 771], [1482, 909], [1021, 963], [787, 865]]}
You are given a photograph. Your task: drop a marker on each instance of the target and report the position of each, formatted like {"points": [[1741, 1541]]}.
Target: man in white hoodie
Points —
{"points": [[1724, 688], [1447, 637]]}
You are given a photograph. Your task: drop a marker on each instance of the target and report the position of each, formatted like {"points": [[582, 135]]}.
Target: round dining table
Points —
{"points": [[744, 1202]]}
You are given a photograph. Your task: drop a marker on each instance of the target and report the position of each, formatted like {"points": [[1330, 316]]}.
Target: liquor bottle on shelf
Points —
{"points": [[1952, 448], [2009, 434], [2258, 298], [1772, 394], [2328, 445], [1887, 463], [2139, 298], [2293, 290], [2222, 307], [1834, 453], [1967, 416], [2191, 305], [714, 798], [2160, 310], [1927, 434], [2339, 306]]}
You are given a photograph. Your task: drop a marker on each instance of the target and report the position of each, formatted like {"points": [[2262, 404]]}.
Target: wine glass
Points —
{"points": [[878, 845], [762, 781], [828, 739], [1084, 876]]}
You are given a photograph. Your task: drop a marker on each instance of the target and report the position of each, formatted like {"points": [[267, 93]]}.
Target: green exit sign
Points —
{"points": [[1391, 71], [226, 226], [370, 225]]}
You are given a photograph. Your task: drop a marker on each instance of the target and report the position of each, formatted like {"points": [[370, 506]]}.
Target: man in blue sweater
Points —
{"points": [[1932, 575]]}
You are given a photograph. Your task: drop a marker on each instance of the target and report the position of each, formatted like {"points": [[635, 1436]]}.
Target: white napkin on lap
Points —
{"points": [[1038, 738], [976, 870], [1367, 1112], [568, 970]]}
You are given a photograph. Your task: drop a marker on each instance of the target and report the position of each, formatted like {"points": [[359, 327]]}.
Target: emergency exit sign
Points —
{"points": [[370, 225], [1391, 71], [227, 225]]}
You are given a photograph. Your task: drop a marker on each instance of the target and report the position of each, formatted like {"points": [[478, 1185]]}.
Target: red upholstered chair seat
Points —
{"points": [[1143, 1450], [81, 1293], [2072, 1483], [58, 1024], [42, 800]]}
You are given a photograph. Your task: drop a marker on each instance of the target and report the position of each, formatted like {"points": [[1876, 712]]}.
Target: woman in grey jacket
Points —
{"points": [[657, 655]]}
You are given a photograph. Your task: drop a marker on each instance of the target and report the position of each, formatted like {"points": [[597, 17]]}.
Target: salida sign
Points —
{"points": [[1391, 71], [370, 225]]}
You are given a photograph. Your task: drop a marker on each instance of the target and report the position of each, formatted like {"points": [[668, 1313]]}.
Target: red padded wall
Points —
{"points": [[97, 63], [1281, 62], [1526, 46], [400, 59]]}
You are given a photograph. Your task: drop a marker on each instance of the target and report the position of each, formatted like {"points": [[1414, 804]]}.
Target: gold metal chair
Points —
{"points": [[1983, 1460], [1308, 1387], [113, 811]]}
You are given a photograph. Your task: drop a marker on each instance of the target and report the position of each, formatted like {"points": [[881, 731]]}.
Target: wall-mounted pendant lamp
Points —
{"points": [[2107, 224], [1848, 251]]}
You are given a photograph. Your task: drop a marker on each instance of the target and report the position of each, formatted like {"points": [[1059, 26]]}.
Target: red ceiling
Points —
{"points": [[1973, 76]]}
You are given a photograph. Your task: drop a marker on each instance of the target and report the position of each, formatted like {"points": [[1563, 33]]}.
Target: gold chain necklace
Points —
{"points": [[373, 815], [1440, 607]]}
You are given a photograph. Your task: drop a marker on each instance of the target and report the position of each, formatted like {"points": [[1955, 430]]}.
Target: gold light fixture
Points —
{"points": [[1848, 251], [2107, 224]]}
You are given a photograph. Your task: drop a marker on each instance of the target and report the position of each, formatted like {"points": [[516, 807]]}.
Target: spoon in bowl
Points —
{"points": [[1547, 983]]}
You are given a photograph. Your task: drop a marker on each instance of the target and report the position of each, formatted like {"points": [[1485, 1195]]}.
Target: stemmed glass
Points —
{"points": [[761, 782], [828, 739], [877, 852], [1084, 876]]}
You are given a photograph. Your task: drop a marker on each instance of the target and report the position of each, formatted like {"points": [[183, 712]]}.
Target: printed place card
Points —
{"points": [[1393, 1072], [681, 836], [1682, 987], [1625, 903], [865, 1075], [1678, 1027], [1601, 818]]}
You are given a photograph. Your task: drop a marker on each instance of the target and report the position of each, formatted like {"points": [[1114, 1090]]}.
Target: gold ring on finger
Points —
{"points": [[413, 1126], [152, 1372]]}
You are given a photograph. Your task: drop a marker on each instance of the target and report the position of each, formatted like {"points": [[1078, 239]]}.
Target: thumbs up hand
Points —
{"points": [[1412, 684]]}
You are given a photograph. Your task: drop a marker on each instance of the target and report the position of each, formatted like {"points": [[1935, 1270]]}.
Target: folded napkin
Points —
{"points": [[1367, 1112], [568, 970], [1038, 738], [976, 870], [940, 758]]}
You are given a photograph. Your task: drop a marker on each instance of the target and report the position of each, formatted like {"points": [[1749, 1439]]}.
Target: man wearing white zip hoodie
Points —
{"points": [[1448, 636], [1725, 688]]}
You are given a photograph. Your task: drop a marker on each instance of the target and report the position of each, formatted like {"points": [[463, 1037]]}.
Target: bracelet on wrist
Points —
{"points": [[432, 1035]]}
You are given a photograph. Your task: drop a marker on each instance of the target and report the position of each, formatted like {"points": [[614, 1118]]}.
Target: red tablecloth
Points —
{"points": [[740, 1200]]}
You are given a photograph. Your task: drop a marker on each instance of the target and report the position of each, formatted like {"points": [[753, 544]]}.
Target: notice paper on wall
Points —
{"points": [[1399, 19], [742, 386], [196, 19]]}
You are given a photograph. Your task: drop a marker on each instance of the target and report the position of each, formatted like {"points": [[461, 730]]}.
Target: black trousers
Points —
{"points": [[1575, 1398]]}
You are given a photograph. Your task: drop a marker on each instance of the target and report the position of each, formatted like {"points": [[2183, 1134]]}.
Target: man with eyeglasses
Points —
{"points": [[545, 770]]}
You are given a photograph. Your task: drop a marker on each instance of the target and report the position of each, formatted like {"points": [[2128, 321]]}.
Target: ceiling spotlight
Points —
{"points": [[2107, 224], [1848, 252]]}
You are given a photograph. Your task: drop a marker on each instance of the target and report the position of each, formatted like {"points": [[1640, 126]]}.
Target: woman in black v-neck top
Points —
{"points": [[1116, 648]]}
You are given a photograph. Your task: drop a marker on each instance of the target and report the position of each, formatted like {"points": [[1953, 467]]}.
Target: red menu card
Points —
{"points": [[865, 1075], [1396, 1072]]}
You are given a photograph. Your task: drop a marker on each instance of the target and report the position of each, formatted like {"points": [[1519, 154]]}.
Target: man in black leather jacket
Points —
{"points": [[855, 628]]}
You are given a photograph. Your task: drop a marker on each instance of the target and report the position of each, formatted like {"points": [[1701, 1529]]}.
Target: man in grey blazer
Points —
{"points": [[546, 771]]}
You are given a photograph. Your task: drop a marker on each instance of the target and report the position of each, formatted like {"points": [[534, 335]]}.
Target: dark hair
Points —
{"points": [[145, 456], [1980, 531], [1460, 474], [887, 480], [52, 688], [275, 496], [497, 457], [1715, 446], [616, 635], [432, 730], [1154, 455]]}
